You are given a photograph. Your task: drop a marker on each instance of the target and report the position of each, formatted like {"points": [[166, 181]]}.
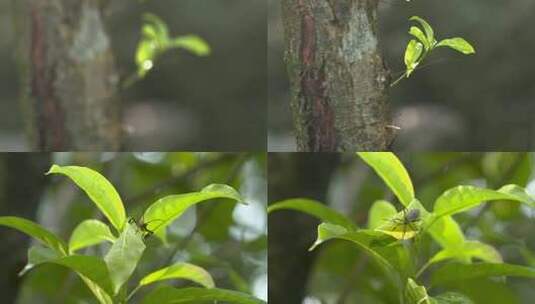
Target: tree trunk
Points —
{"points": [[22, 183], [338, 77], [68, 75], [291, 233]]}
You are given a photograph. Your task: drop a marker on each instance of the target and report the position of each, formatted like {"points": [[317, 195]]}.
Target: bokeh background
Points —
{"points": [[215, 103], [339, 273], [227, 239], [457, 103]]}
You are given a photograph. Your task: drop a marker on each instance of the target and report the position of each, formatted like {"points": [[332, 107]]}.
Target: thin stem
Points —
{"points": [[424, 267], [398, 80], [131, 294]]}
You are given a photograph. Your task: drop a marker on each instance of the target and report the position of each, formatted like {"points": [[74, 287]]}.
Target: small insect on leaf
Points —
{"points": [[404, 225]]}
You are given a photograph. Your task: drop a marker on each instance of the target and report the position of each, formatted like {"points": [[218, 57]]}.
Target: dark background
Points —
{"points": [[185, 102], [338, 272], [229, 240], [457, 103]]}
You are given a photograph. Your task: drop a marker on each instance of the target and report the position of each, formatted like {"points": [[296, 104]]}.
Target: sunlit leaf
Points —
{"points": [[462, 198], [413, 52], [380, 212], [170, 295], [393, 173], [315, 209], [180, 271], [427, 29], [38, 255], [418, 34], [36, 231], [193, 44], [89, 233], [458, 44], [468, 251], [164, 211], [99, 189], [416, 293], [124, 254]]}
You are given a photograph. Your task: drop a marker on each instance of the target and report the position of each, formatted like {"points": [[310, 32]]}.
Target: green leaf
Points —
{"points": [[367, 240], [467, 251], [180, 271], [393, 173], [462, 198], [164, 211], [170, 295], [89, 233], [145, 55], [412, 55], [160, 31], [380, 212], [99, 189], [416, 293], [451, 298], [445, 231], [36, 231], [459, 272], [124, 254], [458, 44], [90, 267], [314, 208], [427, 29], [193, 44], [38, 255], [417, 32]]}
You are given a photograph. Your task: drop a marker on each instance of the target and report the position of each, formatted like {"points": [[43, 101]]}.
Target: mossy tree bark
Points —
{"points": [[338, 77], [68, 75]]}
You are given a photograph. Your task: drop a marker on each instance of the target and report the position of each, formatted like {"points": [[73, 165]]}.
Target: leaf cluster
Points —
{"points": [[107, 276], [461, 258]]}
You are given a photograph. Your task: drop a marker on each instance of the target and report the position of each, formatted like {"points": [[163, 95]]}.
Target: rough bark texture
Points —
{"points": [[291, 233], [68, 75], [338, 77]]}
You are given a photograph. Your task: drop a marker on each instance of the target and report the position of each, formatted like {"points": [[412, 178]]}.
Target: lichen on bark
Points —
{"points": [[68, 73], [337, 74]]}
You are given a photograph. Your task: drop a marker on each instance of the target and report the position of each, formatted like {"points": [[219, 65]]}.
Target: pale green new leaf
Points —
{"points": [[459, 272], [99, 190], [180, 271], [412, 55], [315, 209], [124, 254], [458, 44], [36, 231], [427, 29], [393, 173], [170, 295], [193, 44], [164, 211], [89, 233], [418, 34]]}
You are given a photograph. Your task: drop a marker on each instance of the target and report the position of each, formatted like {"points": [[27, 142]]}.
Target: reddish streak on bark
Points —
{"points": [[321, 131], [49, 113]]}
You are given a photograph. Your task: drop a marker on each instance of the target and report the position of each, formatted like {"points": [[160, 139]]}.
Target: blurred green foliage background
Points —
{"points": [[483, 102], [186, 102], [229, 240], [341, 273]]}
